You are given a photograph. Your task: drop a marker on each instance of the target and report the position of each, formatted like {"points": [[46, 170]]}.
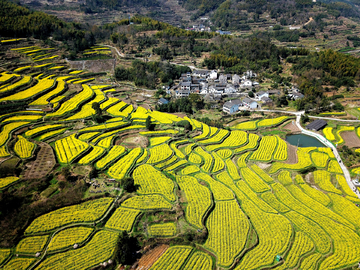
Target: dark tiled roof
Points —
{"points": [[317, 124]]}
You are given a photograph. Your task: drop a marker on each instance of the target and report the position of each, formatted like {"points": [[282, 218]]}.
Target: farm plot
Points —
{"points": [[162, 230], [147, 202], [100, 249], [84, 212], [68, 148], [272, 121], [38, 130], [147, 260], [199, 260], [7, 88], [120, 168], [266, 149], [73, 103], [19, 263], [23, 148], [249, 125], [8, 129], [69, 237], [173, 258], [351, 139], [87, 110], [32, 244], [115, 152], [152, 181], [228, 228], [122, 219], [322, 179], [42, 86], [304, 161], [4, 182], [235, 139], [93, 155], [44, 100], [159, 153], [198, 198], [45, 161]]}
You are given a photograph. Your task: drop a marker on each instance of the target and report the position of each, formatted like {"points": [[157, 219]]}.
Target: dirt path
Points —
{"points": [[310, 20]]}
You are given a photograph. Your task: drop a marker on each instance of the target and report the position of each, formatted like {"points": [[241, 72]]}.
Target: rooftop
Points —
{"points": [[317, 124]]}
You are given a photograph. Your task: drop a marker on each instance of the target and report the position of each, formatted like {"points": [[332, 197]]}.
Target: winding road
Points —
{"points": [[324, 141]]}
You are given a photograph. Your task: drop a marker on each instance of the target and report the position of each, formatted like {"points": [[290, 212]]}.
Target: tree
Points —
{"points": [[128, 184], [97, 109], [126, 249], [148, 123], [251, 94]]}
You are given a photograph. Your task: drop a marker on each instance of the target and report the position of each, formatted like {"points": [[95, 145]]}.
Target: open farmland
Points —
{"points": [[230, 199]]}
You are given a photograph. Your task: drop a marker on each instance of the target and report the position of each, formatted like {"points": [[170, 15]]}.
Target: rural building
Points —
{"points": [[246, 84], [232, 106], [274, 92], [267, 101], [213, 75], [200, 73], [260, 95], [163, 101], [236, 79], [317, 125], [185, 86], [251, 104], [182, 93], [297, 96], [222, 79]]}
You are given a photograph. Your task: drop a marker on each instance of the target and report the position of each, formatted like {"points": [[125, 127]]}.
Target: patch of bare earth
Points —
{"points": [[351, 139], [263, 166], [133, 140], [292, 127], [43, 164], [292, 155], [151, 257]]}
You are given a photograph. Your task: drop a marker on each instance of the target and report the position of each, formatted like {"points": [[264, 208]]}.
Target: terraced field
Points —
{"points": [[233, 190]]}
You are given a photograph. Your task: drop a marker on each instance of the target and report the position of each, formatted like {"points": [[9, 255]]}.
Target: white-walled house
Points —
{"points": [[222, 79], [246, 84], [232, 106], [250, 103], [260, 95], [236, 79], [213, 75], [182, 93]]}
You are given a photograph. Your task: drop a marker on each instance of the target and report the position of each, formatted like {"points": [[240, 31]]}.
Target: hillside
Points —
{"points": [[138, 144], [242, 194]]}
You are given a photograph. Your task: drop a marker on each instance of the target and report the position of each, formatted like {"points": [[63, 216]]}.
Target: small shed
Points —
{"points": [[163, 101], [317, 125]]}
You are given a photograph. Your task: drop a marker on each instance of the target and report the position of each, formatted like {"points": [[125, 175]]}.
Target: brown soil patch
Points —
{"points": [[263, 166], [132, 139], [151, 257], [43, 164], [256, 116], [182, 115], [292, 155], [292, 127], [351, 139]]}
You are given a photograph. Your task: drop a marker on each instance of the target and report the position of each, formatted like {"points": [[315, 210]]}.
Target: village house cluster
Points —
{"points": [[213, 87]]}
